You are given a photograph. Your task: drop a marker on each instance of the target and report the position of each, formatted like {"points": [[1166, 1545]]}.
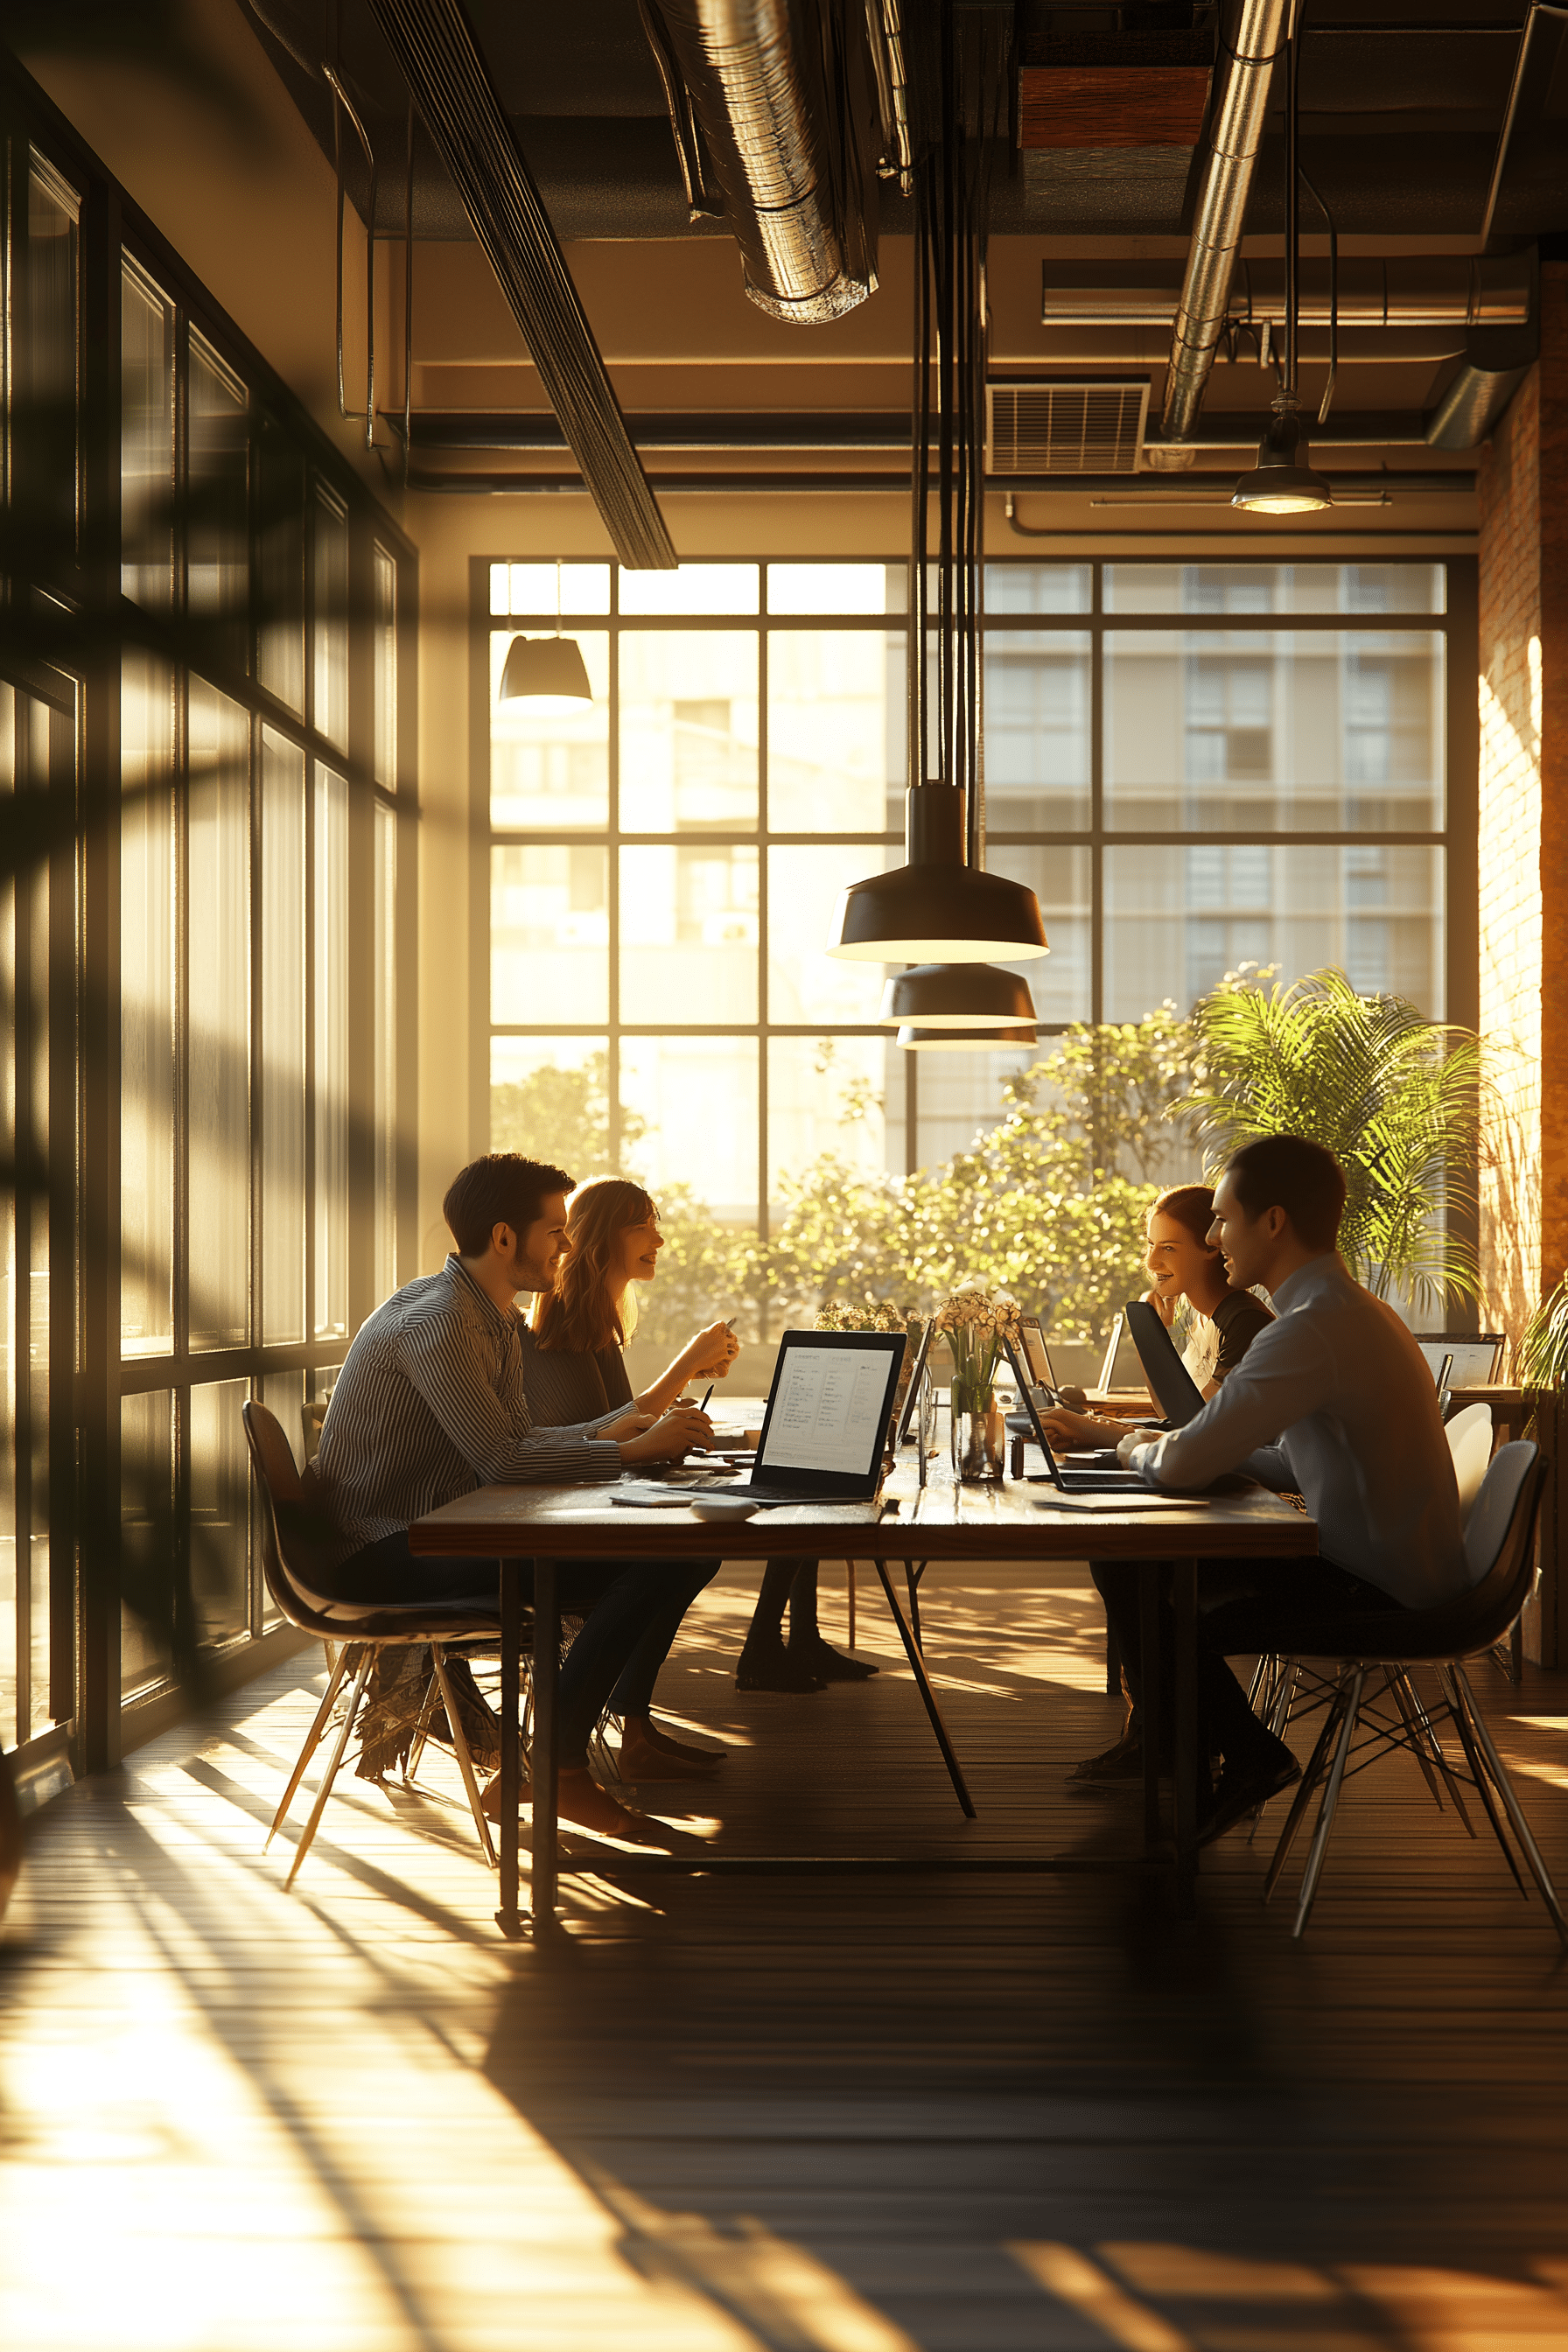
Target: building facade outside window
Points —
{"points": [[1195, 765]]}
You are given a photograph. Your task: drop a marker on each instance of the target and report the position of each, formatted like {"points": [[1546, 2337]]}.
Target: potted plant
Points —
{"points": [[977, 1322]]}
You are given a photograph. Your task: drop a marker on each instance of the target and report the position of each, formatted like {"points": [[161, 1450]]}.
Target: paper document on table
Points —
{"points": [[1125, 1498], [825, 1410]]}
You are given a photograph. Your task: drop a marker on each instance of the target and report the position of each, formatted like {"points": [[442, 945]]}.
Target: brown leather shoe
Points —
{"points": [[582, 1804], [490, 1796]]}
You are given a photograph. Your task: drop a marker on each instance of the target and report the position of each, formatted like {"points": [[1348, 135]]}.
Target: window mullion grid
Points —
{"points": [[613, 884], [1097, 797]]}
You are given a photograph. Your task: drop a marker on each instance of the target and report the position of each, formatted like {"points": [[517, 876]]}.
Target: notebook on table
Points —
{"points": [[827, 1420]]}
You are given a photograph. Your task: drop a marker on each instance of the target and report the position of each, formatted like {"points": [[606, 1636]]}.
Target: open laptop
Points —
{"points": [[828, 1409], [1067, 1481], [1036, 1355], [1171, 1384]]}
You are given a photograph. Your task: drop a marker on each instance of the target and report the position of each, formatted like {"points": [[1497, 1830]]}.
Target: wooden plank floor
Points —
{"points": [[962, 2112]]}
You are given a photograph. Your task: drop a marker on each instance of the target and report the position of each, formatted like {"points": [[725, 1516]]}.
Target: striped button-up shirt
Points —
{"points": [[430, 1403]]}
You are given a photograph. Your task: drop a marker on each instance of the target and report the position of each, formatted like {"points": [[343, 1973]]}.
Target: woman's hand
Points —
{"points": [[711, 1353], [1067, 1430], [1074, 1399], [630, 1424], [1163, 1304], [672, 1434]]}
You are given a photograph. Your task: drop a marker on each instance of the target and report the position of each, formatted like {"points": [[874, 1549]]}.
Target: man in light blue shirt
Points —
{"points": [[1334, 1402]]}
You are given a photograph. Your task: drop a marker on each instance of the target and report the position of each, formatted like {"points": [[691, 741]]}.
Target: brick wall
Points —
{"points": [[1523, 828]]}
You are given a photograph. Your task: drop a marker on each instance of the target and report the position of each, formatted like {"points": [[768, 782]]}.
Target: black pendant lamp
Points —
{"points": [[940, 906], [1283, 481], [546, 670], [955, 996], [965, 1041]]}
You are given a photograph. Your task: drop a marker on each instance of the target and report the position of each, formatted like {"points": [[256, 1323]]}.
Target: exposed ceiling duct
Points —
{"points": [[779, 113], [1431, 289], [439, 58], [1253, 38]]}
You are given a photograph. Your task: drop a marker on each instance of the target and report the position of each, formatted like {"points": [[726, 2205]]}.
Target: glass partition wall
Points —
{"points": [[205, 752], [1195, 765]]}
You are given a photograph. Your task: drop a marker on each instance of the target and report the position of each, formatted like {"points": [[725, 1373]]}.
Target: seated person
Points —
{"points": [[1186, 1264], [431, 1403], [1334, 1402], [572, 1369]]}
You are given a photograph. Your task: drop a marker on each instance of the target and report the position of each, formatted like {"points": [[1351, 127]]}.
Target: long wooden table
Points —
{"points": [[909, 1523]]}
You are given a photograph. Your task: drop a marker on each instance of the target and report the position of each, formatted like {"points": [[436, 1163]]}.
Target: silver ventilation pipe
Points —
{"points": [[782, 95], [1252, 39]]}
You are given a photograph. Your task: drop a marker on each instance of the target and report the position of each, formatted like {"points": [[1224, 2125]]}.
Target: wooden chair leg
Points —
{"points": [[312, 1737], [330, 1774], [460, 1746]]}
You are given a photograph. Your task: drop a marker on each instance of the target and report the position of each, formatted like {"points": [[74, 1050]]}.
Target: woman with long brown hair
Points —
{"points": [[573, 1371]]}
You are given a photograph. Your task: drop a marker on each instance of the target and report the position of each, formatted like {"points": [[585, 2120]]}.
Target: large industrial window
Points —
{"points": [[1196, 765], [205, 762]]}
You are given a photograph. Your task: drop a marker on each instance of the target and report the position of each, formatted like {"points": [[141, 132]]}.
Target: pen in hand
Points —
{"points": [[703, 1406]]}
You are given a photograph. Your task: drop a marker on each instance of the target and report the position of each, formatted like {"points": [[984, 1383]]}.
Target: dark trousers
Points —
{"points": [[632, 1611], [1274, 1595]]}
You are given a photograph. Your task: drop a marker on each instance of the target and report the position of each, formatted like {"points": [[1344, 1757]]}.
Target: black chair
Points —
{"points": [[1499, 1545], [290, 1550]]}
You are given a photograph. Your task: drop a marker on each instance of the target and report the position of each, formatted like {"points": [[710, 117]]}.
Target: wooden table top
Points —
{"points": [[1017, 1520]]}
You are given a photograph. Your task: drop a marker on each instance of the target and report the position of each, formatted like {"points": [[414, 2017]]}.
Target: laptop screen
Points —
{"points": [[828, 1407], [1035, 1354]]}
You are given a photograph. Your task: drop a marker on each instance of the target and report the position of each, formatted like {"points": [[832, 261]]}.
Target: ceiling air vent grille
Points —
{"points": [[1064, 428]]}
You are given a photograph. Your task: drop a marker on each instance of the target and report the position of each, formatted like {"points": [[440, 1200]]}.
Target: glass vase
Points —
{"points": [[979, 1433]]}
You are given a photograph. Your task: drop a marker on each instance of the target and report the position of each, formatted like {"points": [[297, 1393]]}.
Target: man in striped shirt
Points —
{"points": [[431, 1403]]}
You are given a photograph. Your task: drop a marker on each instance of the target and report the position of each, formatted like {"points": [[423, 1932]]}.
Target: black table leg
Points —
{"points": [[917, 1665], [1149, 1692], [546, 1688], [1184, 1598], [912, 1576], [509, 1919]]}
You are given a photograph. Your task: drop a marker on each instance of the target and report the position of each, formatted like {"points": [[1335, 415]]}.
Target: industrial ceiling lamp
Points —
{"points": [[1283, 481], [972, 1041], [955, 996], [942, 906], [548, 671]]}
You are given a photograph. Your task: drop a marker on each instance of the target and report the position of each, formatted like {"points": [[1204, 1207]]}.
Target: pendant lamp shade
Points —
{"points": [[1283, 481], [937, 908], [959, 1041], [548, 668], [955, 996]]}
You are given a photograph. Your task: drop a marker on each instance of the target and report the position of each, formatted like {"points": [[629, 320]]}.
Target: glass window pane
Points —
{"points": [[959, 1095], [688, 728], [827, 1101], [282, 1025], [385, 670], [1061, 982], [1036, 732], [837, 587], [550, 929], [804, 886], [691, 588], [330, 966], [1177, 919], [44, 483], [280, 623], [283, 1394], [835, 729], [219, 850], [550, 760], [220, 1511], [1287, 731], [1274, 587], [550, 1100], [331, 619], [147, 439], [688, 934], [385, 988], [695, 1099], [1038, 587], [147, 1542], [217, 569], [531, 589], [147, 1005]]}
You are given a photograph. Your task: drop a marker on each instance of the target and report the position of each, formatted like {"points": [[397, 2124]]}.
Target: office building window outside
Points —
{"points": [[1196, 766]]}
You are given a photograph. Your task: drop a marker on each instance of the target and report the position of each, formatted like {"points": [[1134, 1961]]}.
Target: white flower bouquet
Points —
{"points": [[977, 1322]]}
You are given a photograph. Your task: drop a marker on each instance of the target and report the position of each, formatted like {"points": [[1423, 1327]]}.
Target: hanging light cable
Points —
{"points": [[1283, 481], [940, 906]]}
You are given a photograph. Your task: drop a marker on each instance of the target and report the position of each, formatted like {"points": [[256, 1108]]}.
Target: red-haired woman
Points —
{"points": [[574, 1371]]}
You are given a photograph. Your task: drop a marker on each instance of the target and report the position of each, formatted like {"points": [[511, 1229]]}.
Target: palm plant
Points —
{"points": [[1395, 1096], [1543, 1345]]}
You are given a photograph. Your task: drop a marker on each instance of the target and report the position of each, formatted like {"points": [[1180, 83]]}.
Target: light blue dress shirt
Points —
{"points": [[1335, 1403]]}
